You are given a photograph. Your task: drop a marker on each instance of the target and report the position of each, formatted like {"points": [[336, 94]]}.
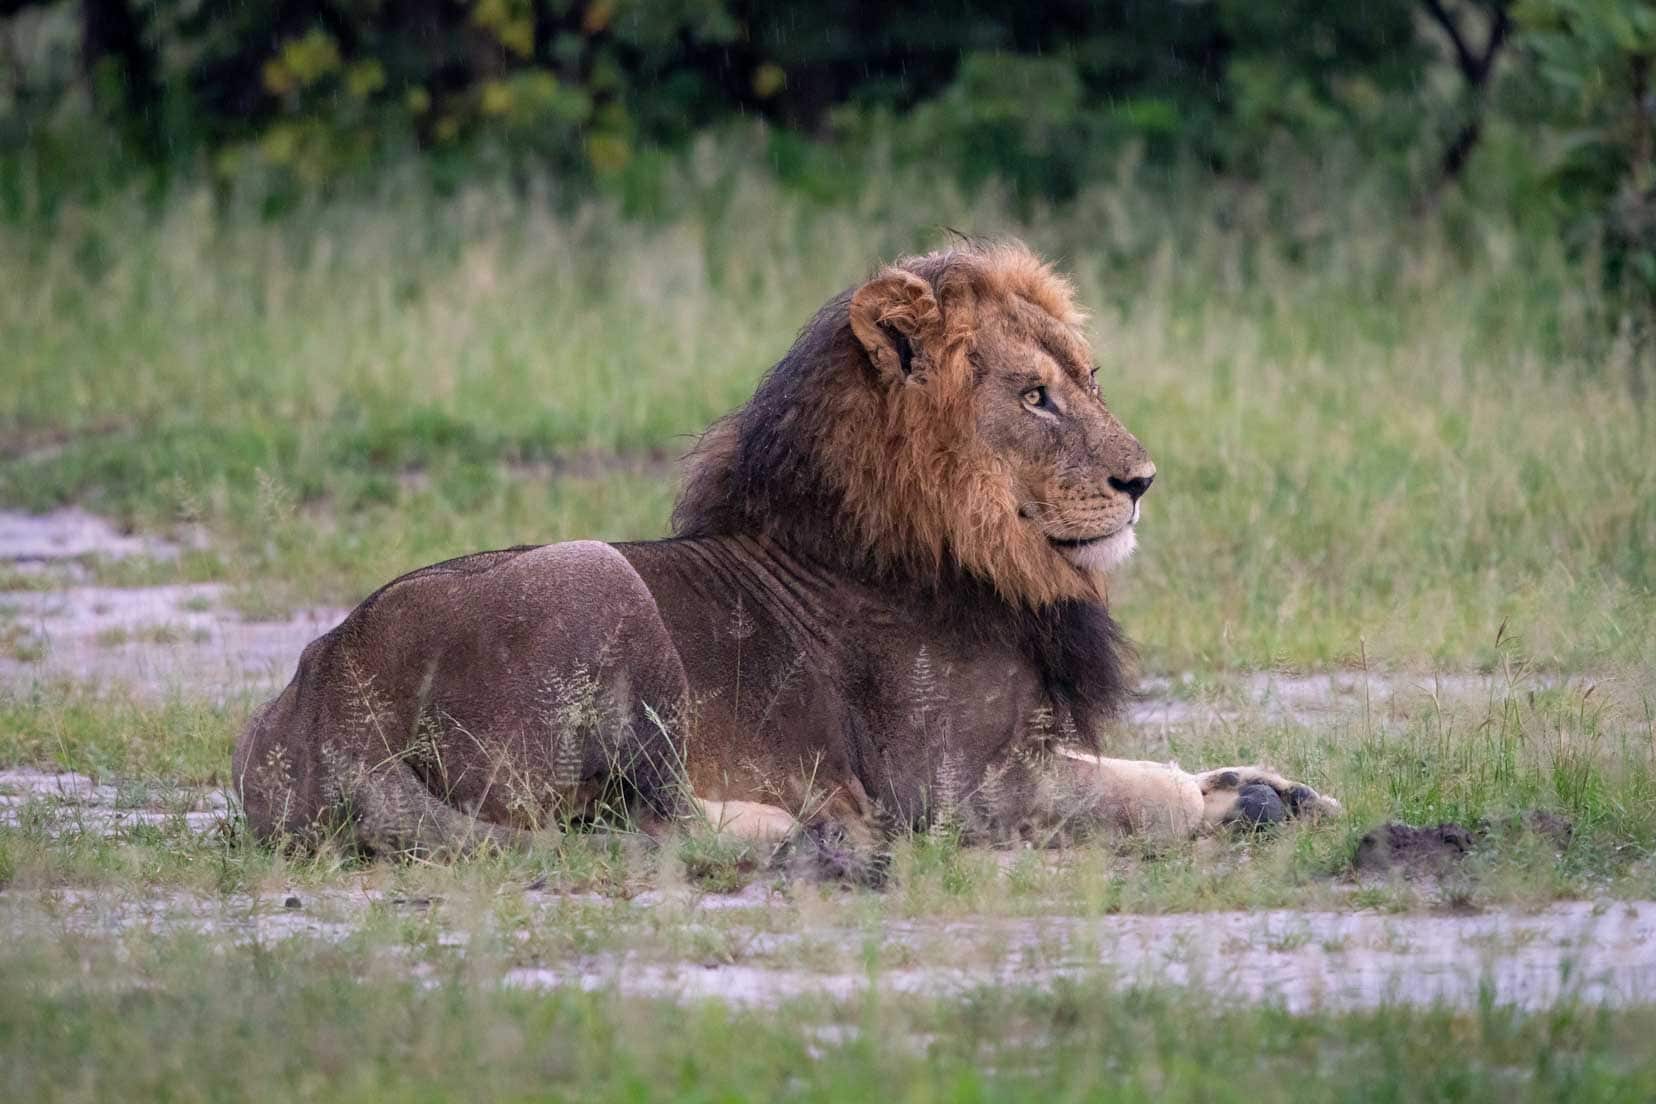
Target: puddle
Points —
{"points": [[178, 638], [1592, 953]]}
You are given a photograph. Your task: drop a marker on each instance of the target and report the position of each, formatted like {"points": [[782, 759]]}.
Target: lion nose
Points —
{"points": [[1135, 487]]}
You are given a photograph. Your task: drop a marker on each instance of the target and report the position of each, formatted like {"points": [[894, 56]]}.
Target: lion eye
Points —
{"points": [[1094, 378], [1035, 397]]}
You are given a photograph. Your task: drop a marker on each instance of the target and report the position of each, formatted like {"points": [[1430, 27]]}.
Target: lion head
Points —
{"points": [[944, 416]]}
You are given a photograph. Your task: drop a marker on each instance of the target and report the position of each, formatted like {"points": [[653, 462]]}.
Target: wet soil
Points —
{"points": [[56, 625], [1596, 953]]}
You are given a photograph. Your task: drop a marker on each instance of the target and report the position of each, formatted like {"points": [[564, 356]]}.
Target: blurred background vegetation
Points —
{"points": [[1543, 110], [359, 284]]}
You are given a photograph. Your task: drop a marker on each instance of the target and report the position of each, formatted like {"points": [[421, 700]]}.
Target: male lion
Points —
{"points": [[884, 604]]}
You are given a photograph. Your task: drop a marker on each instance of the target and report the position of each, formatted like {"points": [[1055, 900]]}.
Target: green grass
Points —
{"points": [[1402, 439], [72, 728], [189, 1019], [1383, 444]]}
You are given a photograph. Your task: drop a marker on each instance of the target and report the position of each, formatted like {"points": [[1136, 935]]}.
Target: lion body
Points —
{"points": [[884, 605]]}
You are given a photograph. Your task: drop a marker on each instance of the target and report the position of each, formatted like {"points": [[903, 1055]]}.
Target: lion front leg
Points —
{"points": [[1144, 797]]}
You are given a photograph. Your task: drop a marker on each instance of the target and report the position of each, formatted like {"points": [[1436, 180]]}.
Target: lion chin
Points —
{"points": [[1105, 555]]}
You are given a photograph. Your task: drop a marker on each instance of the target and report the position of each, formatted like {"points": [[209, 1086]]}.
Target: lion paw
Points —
{"points": [[1253, 796], [828, 852]]}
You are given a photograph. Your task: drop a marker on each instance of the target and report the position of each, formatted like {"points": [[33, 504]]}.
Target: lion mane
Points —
{"points": [[904, 495]]}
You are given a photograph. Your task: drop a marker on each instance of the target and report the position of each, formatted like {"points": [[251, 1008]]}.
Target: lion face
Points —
{"points": [[1076, 473], [996, 449]]}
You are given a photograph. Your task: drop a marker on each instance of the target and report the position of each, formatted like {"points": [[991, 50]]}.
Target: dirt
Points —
{"points": [[1596, 953], [63, 801], [154, 640], [67, 534]]}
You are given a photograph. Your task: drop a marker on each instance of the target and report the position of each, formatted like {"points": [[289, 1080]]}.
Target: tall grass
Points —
{"points": [[1376, 435]]}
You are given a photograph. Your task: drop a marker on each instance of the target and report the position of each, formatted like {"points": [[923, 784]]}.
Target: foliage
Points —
{"points": [[1595, 61], [1040, 96]]}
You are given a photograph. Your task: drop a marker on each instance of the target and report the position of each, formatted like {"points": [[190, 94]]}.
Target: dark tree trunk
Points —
{"points": [[112, 33], [1476, 67]]}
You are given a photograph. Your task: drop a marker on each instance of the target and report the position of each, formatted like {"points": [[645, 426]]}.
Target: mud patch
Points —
{"points": [[158, 639], [774, 951], [63, 802], [1433, 851]]}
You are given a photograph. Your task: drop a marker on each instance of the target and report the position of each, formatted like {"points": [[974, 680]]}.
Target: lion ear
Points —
{"points": [[895, 315]]}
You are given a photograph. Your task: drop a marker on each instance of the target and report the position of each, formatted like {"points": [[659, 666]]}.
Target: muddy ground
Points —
{"points": [[733, 947]]}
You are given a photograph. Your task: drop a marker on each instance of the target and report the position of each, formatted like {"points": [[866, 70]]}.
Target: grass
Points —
{"points": [[1384, 445], [264, 1022], [73, 728], [153, 960], [1390, 441]]}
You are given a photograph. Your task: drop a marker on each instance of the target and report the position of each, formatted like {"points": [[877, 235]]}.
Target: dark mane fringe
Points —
{"points": [[1085, 661], [754, 472]]}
